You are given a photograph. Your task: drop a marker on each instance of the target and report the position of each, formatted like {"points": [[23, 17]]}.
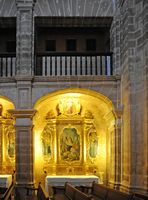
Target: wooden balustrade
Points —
{"points": [[70, 64], [62, 64], [7, 65]]}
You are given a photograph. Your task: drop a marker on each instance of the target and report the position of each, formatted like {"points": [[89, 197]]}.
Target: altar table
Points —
{"points": [[80, 180], [5, 180]]}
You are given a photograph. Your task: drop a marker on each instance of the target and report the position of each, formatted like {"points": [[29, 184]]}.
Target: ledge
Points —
{"points": [[59, 78], [22, 113], [76, 78]]}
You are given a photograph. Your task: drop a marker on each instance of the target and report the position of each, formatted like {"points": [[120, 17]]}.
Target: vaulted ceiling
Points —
{"points": [[63, 8]]}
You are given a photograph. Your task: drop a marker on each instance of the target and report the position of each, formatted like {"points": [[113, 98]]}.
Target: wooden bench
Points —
{"points": [[113, 194], [71, 193], [78, 195], [101, 192], [41, 193], [6, 193], [138, 196]]}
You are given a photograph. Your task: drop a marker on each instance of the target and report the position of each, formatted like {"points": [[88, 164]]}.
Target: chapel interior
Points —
{"points": [[74, 94]]}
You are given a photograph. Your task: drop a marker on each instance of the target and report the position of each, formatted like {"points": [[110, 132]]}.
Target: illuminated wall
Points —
{"points": [[85, 115], [7, 137]]}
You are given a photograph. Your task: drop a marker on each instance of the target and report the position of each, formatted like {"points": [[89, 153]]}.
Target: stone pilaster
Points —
{"points": [[115, 42], [24, 92], [118, 146], [111, 156], [24, 146], [25, 37], [114, 151], [145, 121]]}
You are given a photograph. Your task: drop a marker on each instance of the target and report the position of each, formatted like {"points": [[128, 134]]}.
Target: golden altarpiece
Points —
{"points": [[69, 140], [7, 142]]}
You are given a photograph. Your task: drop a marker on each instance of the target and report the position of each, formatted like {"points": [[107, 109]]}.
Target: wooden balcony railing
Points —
{"points": [[72, 64], [7, 65], [62, 64]]}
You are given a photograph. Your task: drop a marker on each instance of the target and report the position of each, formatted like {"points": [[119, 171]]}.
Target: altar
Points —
{"points": [[80, 180], [5, 180]]}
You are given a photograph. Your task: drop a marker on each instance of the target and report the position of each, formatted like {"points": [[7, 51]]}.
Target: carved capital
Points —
{"points": [[25, 3], [22, 113]]}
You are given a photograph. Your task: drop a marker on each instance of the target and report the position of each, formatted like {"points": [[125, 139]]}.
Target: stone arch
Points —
{"points": [[95, 112], [6, 104]]}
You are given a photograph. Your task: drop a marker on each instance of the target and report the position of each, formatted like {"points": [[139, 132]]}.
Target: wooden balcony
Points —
{"points": [[73, 64], [62, 64]]}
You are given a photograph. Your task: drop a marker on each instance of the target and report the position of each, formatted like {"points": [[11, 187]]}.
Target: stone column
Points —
{"points": [[145, 105], [24, 149], [25, 37], [134, 95]]}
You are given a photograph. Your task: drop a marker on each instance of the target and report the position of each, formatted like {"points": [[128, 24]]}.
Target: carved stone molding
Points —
{"points": [[25, 3], [22, 113]]}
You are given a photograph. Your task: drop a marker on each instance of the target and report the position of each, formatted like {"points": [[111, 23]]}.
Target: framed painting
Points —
{"points": [[69, 138]]}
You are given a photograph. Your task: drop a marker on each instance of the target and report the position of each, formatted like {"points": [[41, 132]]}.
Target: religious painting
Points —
{"points": [[69, 106], [46, 139], [70, 144], [11, 141], [93, 143]]}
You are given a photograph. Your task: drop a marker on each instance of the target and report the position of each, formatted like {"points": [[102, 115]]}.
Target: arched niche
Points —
{"points": [[71, 133], [7, 137]]}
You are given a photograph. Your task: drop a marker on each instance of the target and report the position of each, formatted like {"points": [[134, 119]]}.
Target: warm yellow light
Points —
{"points": [[66, 104], [38, 149], [6, 105]]}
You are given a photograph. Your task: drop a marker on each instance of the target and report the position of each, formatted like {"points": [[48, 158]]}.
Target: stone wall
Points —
{"points": [[133, 95]]}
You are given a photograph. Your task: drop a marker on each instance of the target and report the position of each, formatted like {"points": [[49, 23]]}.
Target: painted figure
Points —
{"points": [[93, 144], [11, 142], [70, 144], [46, 142]]}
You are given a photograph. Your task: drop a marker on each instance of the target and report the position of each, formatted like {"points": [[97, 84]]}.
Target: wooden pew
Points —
{"points": [[6, 193], [101, 192], [71, 193], [68, 193], [113, 194], [41, 193], [139, 196], [78, 195]]}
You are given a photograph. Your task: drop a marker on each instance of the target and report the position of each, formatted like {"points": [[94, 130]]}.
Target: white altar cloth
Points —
{"points": [[5, 180], [81, 180]]}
